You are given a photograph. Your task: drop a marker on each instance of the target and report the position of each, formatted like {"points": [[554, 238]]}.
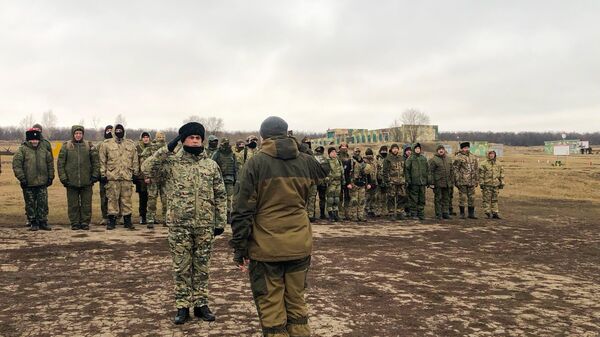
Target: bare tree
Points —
{"points": [[120, 119], [212, 125], [96, 122], [413, 120], [49, 122], [27, 122]]}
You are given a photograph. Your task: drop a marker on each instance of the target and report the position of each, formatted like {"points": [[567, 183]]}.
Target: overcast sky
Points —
{"points": [[470, 65]]}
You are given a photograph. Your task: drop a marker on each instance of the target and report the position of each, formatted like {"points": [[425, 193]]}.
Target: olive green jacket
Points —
{"points": [[78, 164], [417, 170], [269, 219], [33, 166], [441, 171]]}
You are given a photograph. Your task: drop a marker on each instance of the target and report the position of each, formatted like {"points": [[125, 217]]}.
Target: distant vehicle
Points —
{"points": [[584, 147], [6, 152]]}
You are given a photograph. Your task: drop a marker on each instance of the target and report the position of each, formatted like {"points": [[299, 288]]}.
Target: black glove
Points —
{"points": [[218, 231], [103, 180], [94, 180], [172, 144], [65, 183], [49, 183], [23, 183], [239, 256]]}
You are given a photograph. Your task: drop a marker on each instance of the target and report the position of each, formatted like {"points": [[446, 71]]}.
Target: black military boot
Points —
{"points": [[44, 225], [127, 222], [421, 216], [446, 216], [75, 227], [150, 225], [84, 226], [28, 223], [488, 215], [496, 216], [400, 216], [204, 313], [452, 212], [438, 217], [183, 314], [112, 222], [143, 219], [462, 212], [472, 213], [323, 215], [34, 226], [312, 220], [331, 216], [336, 216]]}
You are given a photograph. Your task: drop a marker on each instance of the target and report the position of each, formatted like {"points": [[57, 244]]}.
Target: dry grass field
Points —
{"points": [[534, 273]]}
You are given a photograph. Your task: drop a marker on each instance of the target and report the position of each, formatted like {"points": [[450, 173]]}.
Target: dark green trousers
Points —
{"points": [[416, 199], [79, 202], [103, 201], [442, 200]]}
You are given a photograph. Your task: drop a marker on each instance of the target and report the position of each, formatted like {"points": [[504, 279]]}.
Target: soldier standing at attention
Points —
{"points": [[108, 130], [33, 166], [491, 179], [225, 158], [213, 146], [371, 198], [346, 161], [466, 178], [335, 181], [272, 235], [441, 176], [141, 188], [78, 170], [119, 165], [381, 197], [358, 186], [156, 186], [417, 175], [394, 181], [197, 211], [252, 145]]}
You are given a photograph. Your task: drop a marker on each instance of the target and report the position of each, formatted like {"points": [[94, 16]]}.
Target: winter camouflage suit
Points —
{"points": [[361, 172], [466, 178], [372, 207], [197, 205], [141, 188], [78, 169], [394, 181], [34, 168], [225, 158], [491, 180], [156, 188], [441, 176], [417, 175], [335, 181]]}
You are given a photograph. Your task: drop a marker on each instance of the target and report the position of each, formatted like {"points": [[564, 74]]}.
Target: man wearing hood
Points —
{"points": [[197, 212], [441, 176], [491, 180], [394, 181], [141, 188], [156, 186], [213, 145], [272, 236], [78, 170], [417, 179], [252, 145], [466, 178], [33, 166], [108, 133], [119, 165], [225, 158]]}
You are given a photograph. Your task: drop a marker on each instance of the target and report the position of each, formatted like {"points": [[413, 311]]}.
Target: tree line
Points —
{"points": [[526, 138]]}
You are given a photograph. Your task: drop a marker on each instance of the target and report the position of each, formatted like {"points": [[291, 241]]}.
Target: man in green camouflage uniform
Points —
{"points": [[78, 170], [346, 160], [197, 211], [441, 176], [466, 178], [491, 180], [108, 133], [213, 145], [225, 158], [33, 166], [371, 197], [141, 188], [335, 181], [156, 186], [119, 165], [44, 143], [381, 198], [417, 174], [394, 181], [359, 184], [252, 145], [271, 234], [321, 184]]}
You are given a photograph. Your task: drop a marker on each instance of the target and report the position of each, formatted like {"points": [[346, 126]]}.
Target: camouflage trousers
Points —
{"points": [[381, 201], [466, 196], [156, 190], [36, 203], [490, 199], [416, 199], [190, 250], [333, 196], [371, 201], [278, 289], [79, 204], [103, 201], [311, 205], [119, 197], [358, 201], [396, 199], [345, 201], [229, 191], [451, 198], [442, 200]]}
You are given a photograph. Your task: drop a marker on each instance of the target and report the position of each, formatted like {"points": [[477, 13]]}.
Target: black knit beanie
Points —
{"points": [[191, 128], [273, 126]]}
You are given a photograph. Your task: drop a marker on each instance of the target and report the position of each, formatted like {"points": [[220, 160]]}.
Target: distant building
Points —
{"points": [[401, 134]]}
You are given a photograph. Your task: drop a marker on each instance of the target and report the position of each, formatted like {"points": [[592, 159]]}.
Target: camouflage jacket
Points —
{"points": [[78, 164], [393, 170], [380, 161], [441, 172], [361, 172], [227, 162], [195, 189], [491, 174], [147, 153], [466, 169], [373, 170], [321, 159], [336, 172], [33, 165], [119, 159], [416, 170]]}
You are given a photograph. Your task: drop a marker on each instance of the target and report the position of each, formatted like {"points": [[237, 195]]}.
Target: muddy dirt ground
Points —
{"points": [[534, 273]]}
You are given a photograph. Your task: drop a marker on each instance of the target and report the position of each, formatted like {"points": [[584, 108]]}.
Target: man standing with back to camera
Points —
{"points": [[272, 236]]}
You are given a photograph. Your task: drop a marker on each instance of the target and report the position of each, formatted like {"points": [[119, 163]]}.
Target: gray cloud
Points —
{"points": [[472, 65]]}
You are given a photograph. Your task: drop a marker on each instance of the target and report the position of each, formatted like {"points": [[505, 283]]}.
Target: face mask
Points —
{"points": [[119, 133], [252, 145], [195, 150], [213, 145], [383, 154], [108, 135]]}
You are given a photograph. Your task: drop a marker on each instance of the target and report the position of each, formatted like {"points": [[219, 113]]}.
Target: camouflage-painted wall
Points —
{"points": [[427, 133]]}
